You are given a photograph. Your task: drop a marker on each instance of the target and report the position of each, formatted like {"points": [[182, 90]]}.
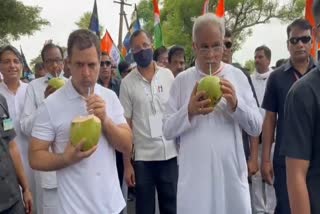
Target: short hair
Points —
{"points": [[204, 20], [137, 33], [266, 51], [49, 46], [11, 49], [227, 33], [158, 52], [38, 66], [280, 62], [123, 67], [176, 50], [316, 10], [83, 39], [302, 24]]}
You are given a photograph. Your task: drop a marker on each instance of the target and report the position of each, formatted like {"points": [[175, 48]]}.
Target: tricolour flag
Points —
{"points": [[158, 40], [220, 8], [135, 25], [108, 46], [94, 21], [205, 8]]}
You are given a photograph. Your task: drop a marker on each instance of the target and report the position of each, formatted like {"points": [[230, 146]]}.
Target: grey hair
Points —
{"points": [[204, 20]]}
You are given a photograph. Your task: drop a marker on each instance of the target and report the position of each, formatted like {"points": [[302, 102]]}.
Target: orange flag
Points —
{"points": [[107, 45], [220, 8], [310, 18]]}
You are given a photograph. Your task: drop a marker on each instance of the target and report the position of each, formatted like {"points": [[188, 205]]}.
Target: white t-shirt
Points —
{"points": [[91, 185]]}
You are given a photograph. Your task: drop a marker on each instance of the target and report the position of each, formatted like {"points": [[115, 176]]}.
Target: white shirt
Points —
{"points": [[33, 99], [259, 82], [142, 100], [15, 104], [91, 185], [212, 164]]}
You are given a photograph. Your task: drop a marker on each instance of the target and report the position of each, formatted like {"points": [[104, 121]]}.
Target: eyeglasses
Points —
{"points": [[303, 39], [214, 49], [52, 61], [105, 63], [228, 45]]}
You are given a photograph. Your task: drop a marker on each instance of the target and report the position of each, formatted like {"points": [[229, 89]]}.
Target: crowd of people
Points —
{"points": [[256, 151]]}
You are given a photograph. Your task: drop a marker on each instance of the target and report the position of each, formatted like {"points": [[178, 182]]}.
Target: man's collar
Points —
{"points": [[71, 91], [288, 65], [202, 73]]}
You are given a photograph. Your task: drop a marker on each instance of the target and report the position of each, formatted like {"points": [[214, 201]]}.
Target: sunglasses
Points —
{"points": [[303, 39], [228, 45], [105, 63]]}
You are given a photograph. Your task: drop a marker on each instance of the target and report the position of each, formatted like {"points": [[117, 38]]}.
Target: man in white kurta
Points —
{"points": [[262, 194], [212, 165], [37, 91]]}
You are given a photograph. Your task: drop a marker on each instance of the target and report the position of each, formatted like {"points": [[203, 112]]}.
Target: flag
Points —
{"points": [[94, 20], [310, 18], [135, 25], [158, 40], [26, 73], [108, 46], [220, 8], [205, 8]]}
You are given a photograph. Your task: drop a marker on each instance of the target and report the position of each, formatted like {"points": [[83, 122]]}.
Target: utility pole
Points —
{"points": [[122, 13]]}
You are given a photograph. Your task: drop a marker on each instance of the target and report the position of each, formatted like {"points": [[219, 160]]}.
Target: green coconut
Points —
{"points": [[56, 82], [211, 85], [87, 128]]}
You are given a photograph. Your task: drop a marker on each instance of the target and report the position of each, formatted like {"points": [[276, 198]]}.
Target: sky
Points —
{"points": [[62, 15]]}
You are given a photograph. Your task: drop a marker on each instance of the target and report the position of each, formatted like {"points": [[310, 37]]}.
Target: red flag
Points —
{"points": [[310, 18], [205, 8], [220, 8]]}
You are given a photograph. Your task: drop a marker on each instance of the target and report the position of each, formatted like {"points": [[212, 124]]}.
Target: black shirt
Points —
{"points": [[278, 85], [114, 85], [301, 139], [9, 187]]}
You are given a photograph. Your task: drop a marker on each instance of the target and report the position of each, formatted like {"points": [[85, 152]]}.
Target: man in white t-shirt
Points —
{"points": [[88, 180], [262, 194]]}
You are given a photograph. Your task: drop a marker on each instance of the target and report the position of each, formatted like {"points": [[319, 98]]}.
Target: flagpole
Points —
{"points": [[122, 4]]}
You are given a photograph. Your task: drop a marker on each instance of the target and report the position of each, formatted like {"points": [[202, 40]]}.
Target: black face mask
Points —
{"points": [[143, 58]]}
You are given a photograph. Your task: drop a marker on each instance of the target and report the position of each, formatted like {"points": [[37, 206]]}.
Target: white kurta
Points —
{"points": [[262, 195], [212, 164], [15, 105]]}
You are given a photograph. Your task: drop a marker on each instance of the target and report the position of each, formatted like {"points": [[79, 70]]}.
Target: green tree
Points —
{"points": [[17, 19], [249, 65], [241, 15], [84, 22]]}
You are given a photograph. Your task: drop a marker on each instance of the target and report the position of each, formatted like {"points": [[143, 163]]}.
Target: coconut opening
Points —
{"points": [[81, 119]]}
